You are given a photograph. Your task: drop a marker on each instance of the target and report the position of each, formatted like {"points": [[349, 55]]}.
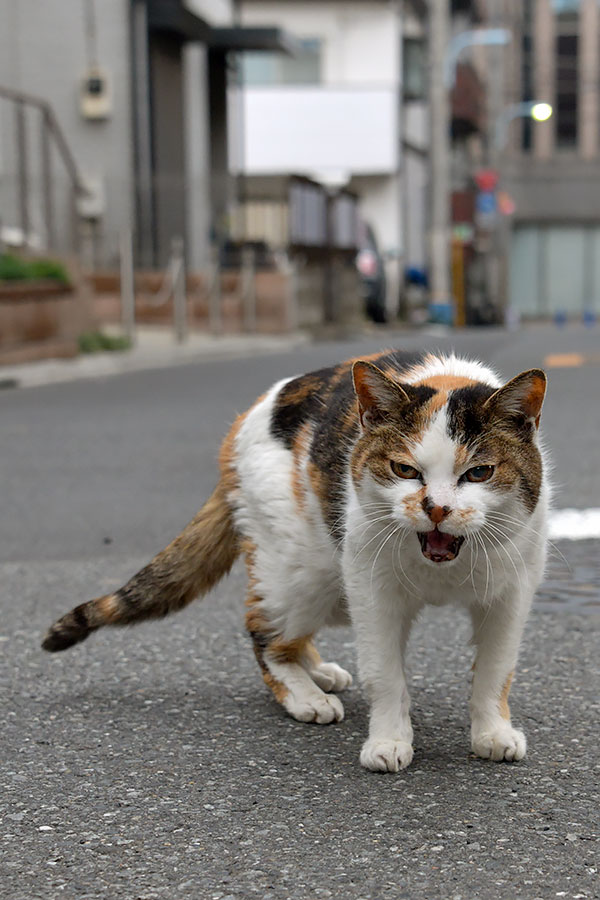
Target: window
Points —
{"points": [[564, 7], [567, 77], [527, 60], [414, 69], [264, 68]]}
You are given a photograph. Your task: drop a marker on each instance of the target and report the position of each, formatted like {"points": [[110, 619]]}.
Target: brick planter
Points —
{"points": [[271, 293], [40, 320]]}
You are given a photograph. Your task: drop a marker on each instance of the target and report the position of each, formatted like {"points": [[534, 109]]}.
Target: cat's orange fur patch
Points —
{"points": [[461, 457], [108, 608], [311, 654], [300, 448], [227, 451], [304, 387], [535, 398], [281, 651], [350, 419], [413, 504], [443, 384], [446, 382], [504, 707], [258, 626], [358, 463], [315, 477]]}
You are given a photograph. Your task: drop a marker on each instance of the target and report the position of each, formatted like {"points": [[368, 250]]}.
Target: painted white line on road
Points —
{"points": [[574, 524]]}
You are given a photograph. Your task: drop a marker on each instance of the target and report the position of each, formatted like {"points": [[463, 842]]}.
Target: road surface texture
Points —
{"points": [[152, 762]]}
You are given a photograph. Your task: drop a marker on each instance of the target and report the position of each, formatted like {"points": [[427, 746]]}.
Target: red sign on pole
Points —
{"points": [[486, 179]]}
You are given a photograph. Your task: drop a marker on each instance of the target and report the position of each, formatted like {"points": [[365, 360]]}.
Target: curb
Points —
{"points": [[152, 351]]}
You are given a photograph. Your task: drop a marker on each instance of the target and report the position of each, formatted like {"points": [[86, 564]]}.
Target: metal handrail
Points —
{"points": [[50, 131], [52, 123]]}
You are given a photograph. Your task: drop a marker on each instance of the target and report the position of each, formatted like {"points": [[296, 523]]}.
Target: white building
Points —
{"points": [[333, 112]]}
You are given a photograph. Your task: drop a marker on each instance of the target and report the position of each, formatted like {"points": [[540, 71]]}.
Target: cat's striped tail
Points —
{"points": [[189, 567]]}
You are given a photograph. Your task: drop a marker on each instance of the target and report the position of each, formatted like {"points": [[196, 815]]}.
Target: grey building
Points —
{"points": [[139, 89], [552, 169]]}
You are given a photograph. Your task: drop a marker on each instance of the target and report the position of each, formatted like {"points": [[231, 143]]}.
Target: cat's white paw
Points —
{"points": [[318, 707], [331, 677], [503, 742], [386, 755]]}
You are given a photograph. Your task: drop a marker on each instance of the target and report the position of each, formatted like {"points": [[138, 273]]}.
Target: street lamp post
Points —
{"points": [[528, 109], [487, 37], [444, 54], [500, 239]]}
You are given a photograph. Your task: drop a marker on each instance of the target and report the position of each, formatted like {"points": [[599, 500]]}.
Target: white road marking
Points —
{"points": [[574, 524]]}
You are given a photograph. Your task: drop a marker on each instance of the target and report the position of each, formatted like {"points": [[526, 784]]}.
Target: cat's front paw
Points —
{"points": [[386, 755], [502, 742]]}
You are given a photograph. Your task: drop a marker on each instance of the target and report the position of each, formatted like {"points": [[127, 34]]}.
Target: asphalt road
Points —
{"points": [[152, 763]]}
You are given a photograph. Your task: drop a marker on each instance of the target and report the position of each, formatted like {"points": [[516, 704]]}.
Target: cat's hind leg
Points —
{"points": [[284, 666], [327, 675]]}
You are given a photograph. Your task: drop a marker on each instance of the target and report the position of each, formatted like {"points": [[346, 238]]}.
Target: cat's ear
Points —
{"points": [[377, 394], [522, 396]]}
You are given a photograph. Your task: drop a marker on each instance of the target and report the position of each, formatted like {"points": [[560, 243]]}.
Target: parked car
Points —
{"points": [[369, 263]]}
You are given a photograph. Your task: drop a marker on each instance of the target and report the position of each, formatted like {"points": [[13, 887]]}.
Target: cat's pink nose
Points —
{"points": [[437, 514]]}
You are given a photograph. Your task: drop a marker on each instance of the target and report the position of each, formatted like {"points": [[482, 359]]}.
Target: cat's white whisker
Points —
{"points": [[503, 536], [383, 543], [398, 555]]}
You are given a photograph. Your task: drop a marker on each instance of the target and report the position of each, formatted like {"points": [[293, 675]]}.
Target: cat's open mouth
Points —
{"points": [[439, 546]]}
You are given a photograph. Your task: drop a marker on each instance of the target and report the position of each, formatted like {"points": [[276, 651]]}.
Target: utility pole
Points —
{"points": [[497, 253], [439, 158]]}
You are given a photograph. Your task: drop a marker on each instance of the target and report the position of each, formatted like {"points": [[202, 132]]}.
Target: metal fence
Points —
{"points": [[35, 163]]}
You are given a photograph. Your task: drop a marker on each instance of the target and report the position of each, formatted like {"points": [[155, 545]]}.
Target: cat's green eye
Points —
{"points": [[479, 473], [404, 471]]}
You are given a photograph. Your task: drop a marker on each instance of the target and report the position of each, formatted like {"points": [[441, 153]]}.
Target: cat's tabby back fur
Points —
{"points": [[362, 492]]}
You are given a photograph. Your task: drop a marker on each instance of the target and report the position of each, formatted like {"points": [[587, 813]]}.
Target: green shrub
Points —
{"points": [[14, 268], [48, 268], [96, 342]]}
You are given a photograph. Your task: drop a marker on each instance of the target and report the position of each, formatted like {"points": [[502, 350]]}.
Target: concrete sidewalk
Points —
{"points": [[155, 348]]}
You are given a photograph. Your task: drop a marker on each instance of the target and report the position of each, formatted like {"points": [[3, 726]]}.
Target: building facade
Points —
{"points": [[552, 169], [332, 113], [139, 88]]}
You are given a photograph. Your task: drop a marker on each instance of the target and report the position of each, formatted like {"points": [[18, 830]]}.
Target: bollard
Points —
{"points": [[127, 284], [291, 297], [215, 317], [248, 289], [179, 290]]}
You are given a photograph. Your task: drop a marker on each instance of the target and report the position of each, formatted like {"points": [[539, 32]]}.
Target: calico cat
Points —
{"points": [[363, 492]]}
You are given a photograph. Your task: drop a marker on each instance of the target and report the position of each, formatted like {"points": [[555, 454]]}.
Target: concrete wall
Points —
{"points": [[415, 181], [197, 154], [359, 40], [320, 130], [565, 190], [43, 52]]}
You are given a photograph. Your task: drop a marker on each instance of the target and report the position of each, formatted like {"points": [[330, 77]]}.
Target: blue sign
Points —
{"points": [[486, 203]]}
